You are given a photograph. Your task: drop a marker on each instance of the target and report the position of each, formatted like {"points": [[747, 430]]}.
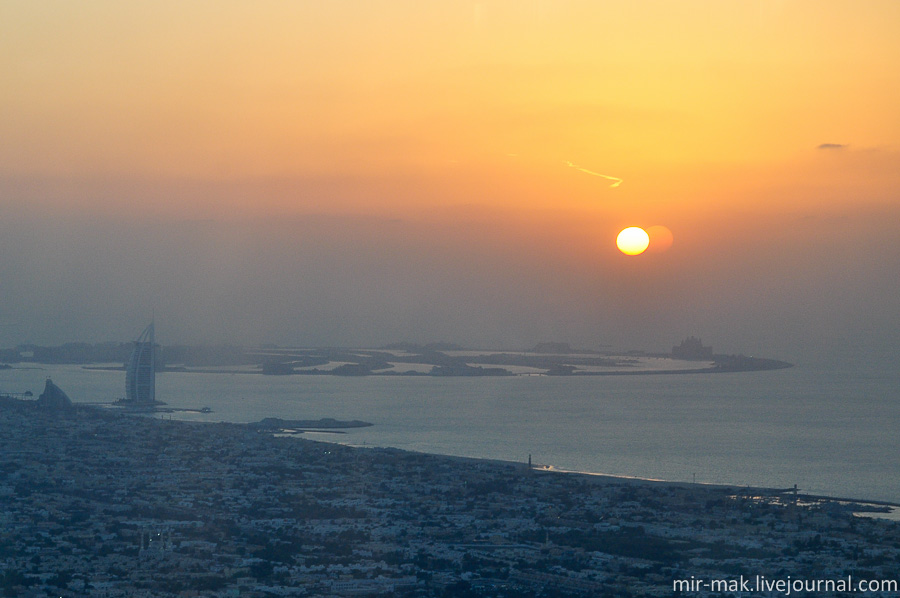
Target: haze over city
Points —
{"points": [[355, 174]]}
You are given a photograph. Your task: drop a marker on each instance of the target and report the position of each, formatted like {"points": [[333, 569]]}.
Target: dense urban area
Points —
{"points": [[103, 503]]}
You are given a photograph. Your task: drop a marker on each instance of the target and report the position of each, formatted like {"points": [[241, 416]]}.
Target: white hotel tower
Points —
{"points": [[140, 375]]}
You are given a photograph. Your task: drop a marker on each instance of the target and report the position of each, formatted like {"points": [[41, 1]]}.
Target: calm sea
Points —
{"points": [[830, 430]]}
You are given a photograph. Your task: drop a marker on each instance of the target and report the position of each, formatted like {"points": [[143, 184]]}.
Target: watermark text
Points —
{"points": [[785, 586]]}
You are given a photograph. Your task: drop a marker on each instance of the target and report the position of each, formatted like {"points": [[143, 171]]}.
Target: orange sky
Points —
{"points": [[651, 92], [719, 117]]}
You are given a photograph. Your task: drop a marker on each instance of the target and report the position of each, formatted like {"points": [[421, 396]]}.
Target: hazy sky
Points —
{"points": [[357, 173]]}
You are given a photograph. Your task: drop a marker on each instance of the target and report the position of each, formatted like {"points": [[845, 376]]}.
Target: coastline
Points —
{"points": [[296, 429], [395, 430], [868, 505], [141, 503], [299, 428]]}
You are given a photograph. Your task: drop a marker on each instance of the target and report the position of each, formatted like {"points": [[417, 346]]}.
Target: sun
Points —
{"points": [[633, 240]]}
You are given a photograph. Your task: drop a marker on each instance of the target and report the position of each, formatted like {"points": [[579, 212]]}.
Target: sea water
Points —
{"points": [[830, 430]]}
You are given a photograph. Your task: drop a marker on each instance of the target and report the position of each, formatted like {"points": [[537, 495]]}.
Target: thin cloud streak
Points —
{"points": [[617, 180]]}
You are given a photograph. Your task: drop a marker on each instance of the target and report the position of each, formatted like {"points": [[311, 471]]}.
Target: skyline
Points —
{"points": [[358, 174]]}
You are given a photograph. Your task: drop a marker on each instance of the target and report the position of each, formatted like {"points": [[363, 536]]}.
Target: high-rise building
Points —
{"points": [[140, 375], [692, 348]]}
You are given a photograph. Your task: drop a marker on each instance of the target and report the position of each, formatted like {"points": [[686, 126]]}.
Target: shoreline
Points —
{"points": [[137, 504], [302, 432], [839, 495], [609, 478], [307, 429]]}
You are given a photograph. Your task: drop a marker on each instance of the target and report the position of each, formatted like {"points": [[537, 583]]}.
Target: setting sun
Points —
{"points": [[633, 240]]}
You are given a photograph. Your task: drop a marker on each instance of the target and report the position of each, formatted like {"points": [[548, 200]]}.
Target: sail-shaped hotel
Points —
{"points": [[140, 375]]}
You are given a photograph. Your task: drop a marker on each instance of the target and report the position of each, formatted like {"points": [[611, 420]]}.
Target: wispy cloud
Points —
{"points": [[617, 180], [833, 146]]}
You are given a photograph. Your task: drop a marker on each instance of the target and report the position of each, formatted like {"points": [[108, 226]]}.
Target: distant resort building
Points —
{"points": [[54, 399], [140, 373], [692, 348]]}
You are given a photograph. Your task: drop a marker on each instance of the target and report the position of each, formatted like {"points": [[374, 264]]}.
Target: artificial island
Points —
{"points": [[398, 359]]}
